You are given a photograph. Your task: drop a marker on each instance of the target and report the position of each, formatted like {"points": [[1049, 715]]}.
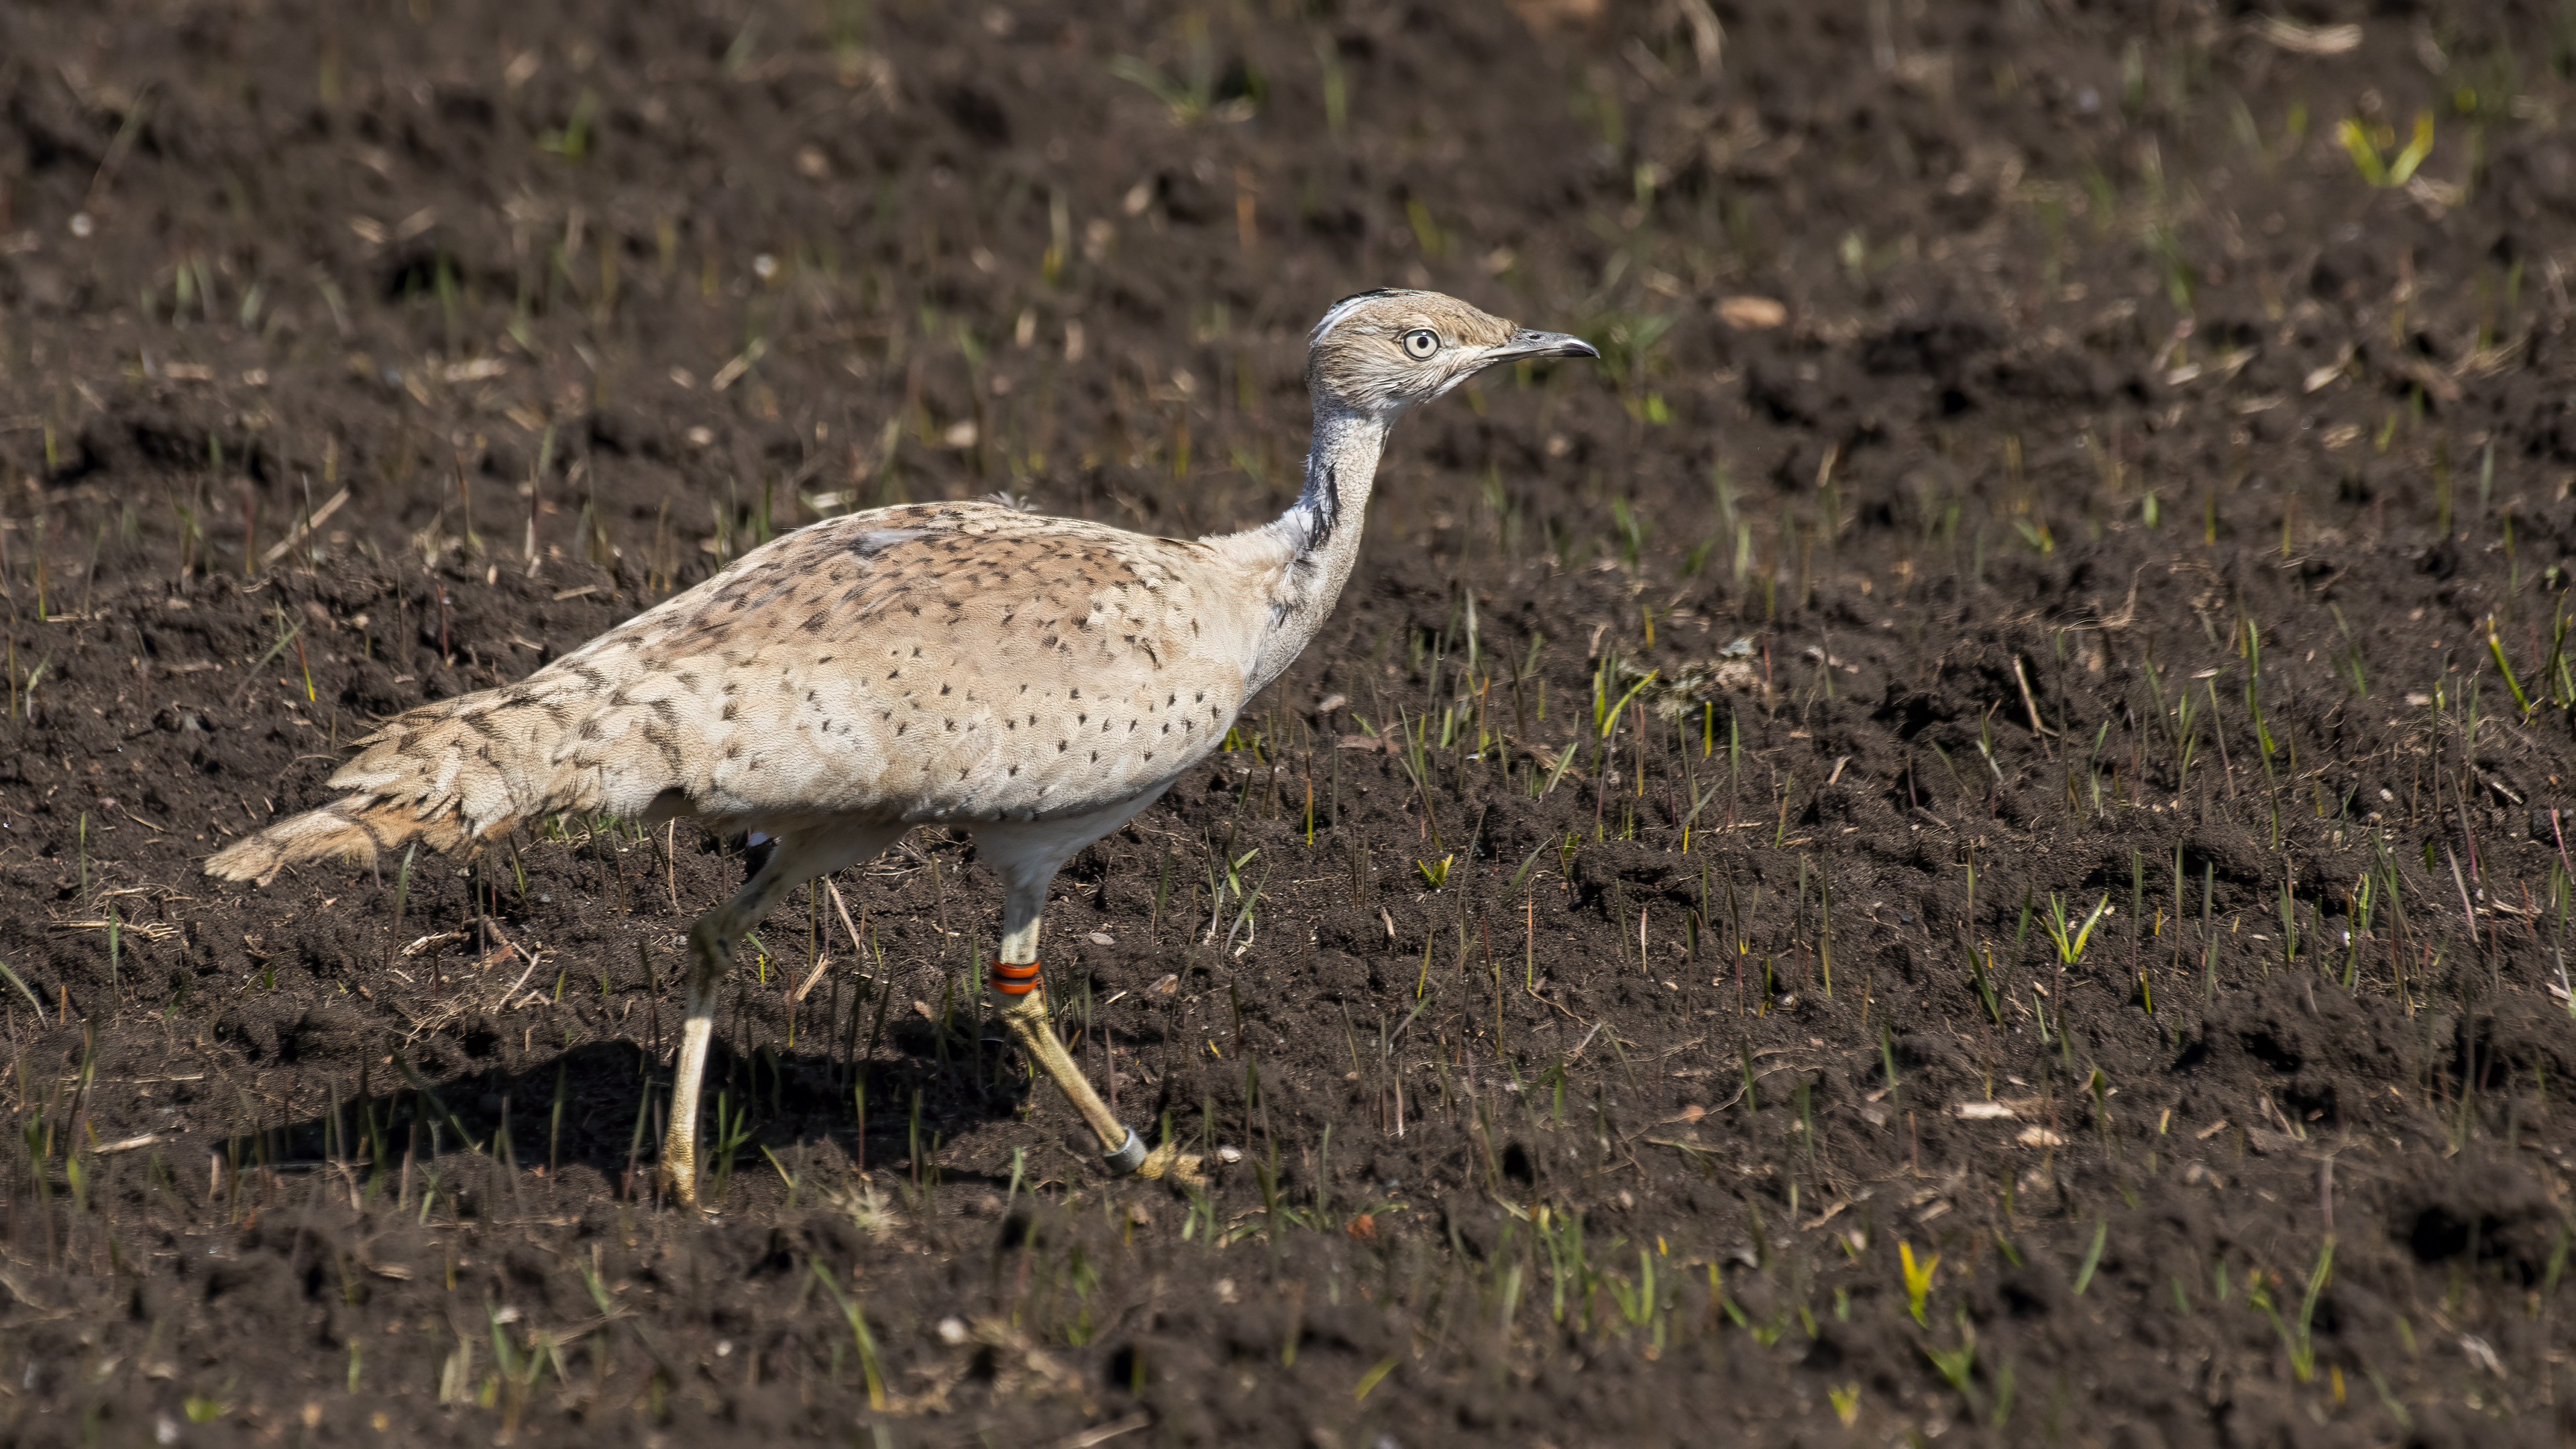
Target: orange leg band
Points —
{"points": [[1015, 978]]}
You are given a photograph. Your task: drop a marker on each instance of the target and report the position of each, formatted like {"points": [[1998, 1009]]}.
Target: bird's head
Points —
{"points": [[1381, 352]]}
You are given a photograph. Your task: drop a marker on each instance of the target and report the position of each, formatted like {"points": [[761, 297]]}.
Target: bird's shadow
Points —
{"points": [[886, 1100]]}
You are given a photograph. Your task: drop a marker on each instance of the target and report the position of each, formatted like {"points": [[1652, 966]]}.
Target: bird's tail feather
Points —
{"points": [[447, 776], [356, 829]]}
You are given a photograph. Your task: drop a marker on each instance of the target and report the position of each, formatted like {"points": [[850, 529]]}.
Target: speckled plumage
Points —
{"points": [[932, 662], [1037, 680]]}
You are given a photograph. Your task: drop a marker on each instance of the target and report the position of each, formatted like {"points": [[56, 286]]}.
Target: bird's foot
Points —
{"points": [[678, 1185], [1171, 1164]]}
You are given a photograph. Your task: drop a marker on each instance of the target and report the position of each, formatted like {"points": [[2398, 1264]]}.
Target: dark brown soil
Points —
{"points": [[2118, 500]]}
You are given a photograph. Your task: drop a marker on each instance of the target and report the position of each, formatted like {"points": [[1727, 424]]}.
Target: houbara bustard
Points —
{"points": [[1036, 681]]}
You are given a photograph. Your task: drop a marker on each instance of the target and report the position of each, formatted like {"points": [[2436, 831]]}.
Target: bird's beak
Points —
{"points": [[1528, 342]]}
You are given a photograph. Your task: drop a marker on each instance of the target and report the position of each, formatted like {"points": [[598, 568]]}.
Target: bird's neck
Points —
{"points": [[1341, 465], [1307, 553]]}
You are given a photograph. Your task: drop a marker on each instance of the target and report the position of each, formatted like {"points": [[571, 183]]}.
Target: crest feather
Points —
{"points": [[1343, 308]]}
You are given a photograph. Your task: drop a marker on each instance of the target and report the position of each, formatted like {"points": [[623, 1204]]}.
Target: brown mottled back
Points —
{"points": [[928, 662]]}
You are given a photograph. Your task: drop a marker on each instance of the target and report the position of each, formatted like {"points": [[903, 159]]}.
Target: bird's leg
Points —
{"points": [[1024, 1012], [710, 958]]}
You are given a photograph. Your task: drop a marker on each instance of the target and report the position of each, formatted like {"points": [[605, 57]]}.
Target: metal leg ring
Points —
{"points": [[1128, 1157]]}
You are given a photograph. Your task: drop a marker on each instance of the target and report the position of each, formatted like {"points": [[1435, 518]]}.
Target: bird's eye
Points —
{"points": [[1421, 342]]}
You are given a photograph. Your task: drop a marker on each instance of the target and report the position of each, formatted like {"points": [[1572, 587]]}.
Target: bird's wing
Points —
{"points": [[938, 661]]}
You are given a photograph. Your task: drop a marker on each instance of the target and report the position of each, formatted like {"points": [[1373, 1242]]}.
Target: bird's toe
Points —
{"points": [[1170, 1164]]}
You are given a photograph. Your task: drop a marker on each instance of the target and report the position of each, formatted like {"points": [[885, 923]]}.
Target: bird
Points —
{"points": [[1035, 681]]}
